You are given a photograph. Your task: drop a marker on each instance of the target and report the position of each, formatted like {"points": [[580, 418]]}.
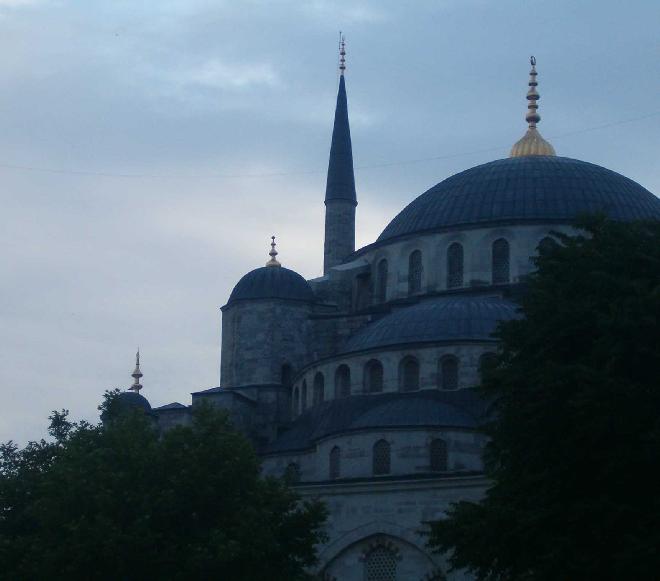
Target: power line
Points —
{"points": [[108, 174]]}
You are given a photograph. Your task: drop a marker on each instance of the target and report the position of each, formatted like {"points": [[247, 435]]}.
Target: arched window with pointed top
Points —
{"points": [[319, 388], [415, 271], [381, 281], [455, 265], [500, 260], [335, 462], [342, 381], [448, 373], [296, 401], [303, 396], [381, 458], [292, 473], [409, 374], [373, 376], [438, 455]]}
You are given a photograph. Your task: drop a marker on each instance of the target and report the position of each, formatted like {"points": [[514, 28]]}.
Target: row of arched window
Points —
{"points": [[409, 379], [500, 267]]}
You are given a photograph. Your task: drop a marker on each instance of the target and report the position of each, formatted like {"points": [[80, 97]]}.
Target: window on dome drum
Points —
{"points": [[455, 265], [438, 455], [335, 462], [292, 473], [381, 458], [500, 261], [342, 381], [319, 388], [380, 565], [296, 401], [286, 375], [373, 376], [409, 374], [449, 372], [381, 281], [415, 270], [303, 397]]}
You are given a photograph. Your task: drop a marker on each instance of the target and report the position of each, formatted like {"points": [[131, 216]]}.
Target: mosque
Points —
{"points": [[359, 386]]}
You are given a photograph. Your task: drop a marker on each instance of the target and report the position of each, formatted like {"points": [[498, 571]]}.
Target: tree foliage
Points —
{"points": [[574, 454], [116, 501]]}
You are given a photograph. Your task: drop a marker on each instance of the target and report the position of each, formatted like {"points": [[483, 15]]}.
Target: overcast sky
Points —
{"points": [[139, 142]]}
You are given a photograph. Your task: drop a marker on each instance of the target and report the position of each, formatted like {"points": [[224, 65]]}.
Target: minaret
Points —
{"points": [[532, 143], [137, 374], [340, 198]]}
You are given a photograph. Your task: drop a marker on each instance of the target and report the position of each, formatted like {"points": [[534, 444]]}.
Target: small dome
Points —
{"points": [[130, 399], [528, 189], [438, 320], [272, 283]]}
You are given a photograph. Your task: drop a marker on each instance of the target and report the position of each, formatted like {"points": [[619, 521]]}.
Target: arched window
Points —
{"points": [[373, 376], [438, 455], [296, 401], [319, 388], [455, 265], [546, 245], [409, 374], [363, 291], [335, 462], [415, 270], [286, 375], [342, 381], [292, 473], [449, 372], [500, 261], [303, 397], [380, 565], [381, 458], [381, 282]]}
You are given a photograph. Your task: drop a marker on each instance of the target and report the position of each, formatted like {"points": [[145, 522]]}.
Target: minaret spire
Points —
{"points": [[137, 374], [532, 143], [273, 253], [340, 196]]}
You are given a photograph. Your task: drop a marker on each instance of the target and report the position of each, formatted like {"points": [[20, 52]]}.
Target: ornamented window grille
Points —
{"points": [[501, 262], [319, 388], [342, 381], [381, 458], [381, 282], [303, 397], [373, 376], [409, 374], [449, 373], [335, 462], [296, 401], [380, 565], [438, 455], [415, 270], [455, 265]]}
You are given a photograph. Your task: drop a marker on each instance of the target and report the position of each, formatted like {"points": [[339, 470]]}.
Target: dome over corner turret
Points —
{"points": [[272, 283]]}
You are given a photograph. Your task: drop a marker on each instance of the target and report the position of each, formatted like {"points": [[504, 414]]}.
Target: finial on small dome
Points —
{"points": [[532, 143], [342, 54], [273, 253], [137, 374]]}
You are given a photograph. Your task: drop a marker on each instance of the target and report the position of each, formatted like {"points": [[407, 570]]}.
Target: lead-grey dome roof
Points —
{"points": [[272, 282], [131, 399], [457, 318], [524, 189]]}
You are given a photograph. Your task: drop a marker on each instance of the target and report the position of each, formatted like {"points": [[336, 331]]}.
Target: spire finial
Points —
{"points": [[273, 253], [137, 374], [342, 54], [532, 143]]}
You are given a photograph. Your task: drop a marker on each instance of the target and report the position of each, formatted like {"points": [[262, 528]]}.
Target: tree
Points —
{"points": [[116, 501], [575, 441]]}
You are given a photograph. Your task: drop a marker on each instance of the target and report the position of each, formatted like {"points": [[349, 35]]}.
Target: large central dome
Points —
{"points": [[524, 189]]}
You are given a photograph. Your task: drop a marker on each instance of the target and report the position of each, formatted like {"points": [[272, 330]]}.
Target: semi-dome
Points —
{"points": [[528, 189], [270, 282], [458, 318]]}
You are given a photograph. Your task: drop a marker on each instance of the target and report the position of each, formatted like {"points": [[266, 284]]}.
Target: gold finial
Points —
{"points": [[137, 374], [532, 143], [273, 253], [342, 54]]}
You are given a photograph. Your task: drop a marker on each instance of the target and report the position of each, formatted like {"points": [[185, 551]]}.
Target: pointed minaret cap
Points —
{"points": [[532, 143], [273, 253], [136, 375]]}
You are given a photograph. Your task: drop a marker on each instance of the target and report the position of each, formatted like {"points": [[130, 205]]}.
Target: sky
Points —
{"points": [[149, 149]]}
